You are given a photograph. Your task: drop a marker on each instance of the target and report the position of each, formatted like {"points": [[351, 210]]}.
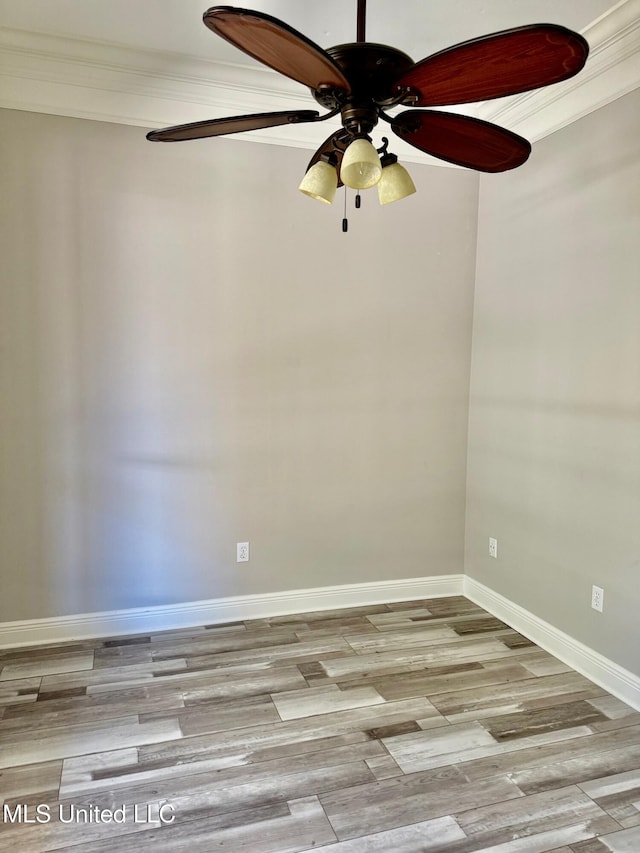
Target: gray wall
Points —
{"points": [[554, 431], [194, 354]]}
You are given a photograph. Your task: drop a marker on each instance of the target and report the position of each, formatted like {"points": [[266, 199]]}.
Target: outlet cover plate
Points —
{"points": [[597, 598], [242, 552], [493, 548]]}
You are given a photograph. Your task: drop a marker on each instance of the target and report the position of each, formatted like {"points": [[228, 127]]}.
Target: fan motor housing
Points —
{"points": [[371, 70]]}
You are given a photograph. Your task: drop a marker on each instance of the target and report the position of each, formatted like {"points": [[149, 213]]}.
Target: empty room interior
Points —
{"points": [[320, 523]]}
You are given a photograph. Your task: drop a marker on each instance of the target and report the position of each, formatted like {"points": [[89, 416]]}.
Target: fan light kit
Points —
{"points": [[361, 81]]}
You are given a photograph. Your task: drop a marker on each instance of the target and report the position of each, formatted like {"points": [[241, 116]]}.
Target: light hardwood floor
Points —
{"points": [[417, 727]]}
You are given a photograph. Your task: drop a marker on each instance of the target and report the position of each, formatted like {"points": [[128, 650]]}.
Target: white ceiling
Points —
{"points": [[418, 27], [153, 63]]}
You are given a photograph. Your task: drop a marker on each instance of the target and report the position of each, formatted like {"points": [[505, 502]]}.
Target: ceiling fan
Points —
{"points": [[361, 81]]}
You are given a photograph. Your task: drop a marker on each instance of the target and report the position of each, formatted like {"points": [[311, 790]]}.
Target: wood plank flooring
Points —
{"points": [[415, 727]]}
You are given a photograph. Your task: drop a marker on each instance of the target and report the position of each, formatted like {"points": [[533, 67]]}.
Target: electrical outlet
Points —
{"points": [[493, 548], [242, 552], [597, 598]]}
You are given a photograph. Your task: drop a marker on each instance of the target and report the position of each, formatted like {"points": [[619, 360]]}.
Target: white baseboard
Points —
{"points": [[59, 629], [82, 626], [604, 672]]}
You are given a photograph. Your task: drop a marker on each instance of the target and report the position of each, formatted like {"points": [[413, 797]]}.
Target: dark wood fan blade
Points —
{"points": [[496, 65], [462, 140], [336, 144], [234, 124], [277, 45]]}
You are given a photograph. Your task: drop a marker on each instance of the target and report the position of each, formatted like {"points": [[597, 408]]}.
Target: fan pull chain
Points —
{"points": [[345, 221], [358, 200]]}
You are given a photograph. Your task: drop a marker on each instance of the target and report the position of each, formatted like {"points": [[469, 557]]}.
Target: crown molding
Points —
{"points": [[109, 82], [612, 70], [96, 80], [150, 88]]}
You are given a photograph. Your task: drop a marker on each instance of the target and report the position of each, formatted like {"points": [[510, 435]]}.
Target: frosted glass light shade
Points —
{"points": [[394, 184], [360, 167], [320, 182]]}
